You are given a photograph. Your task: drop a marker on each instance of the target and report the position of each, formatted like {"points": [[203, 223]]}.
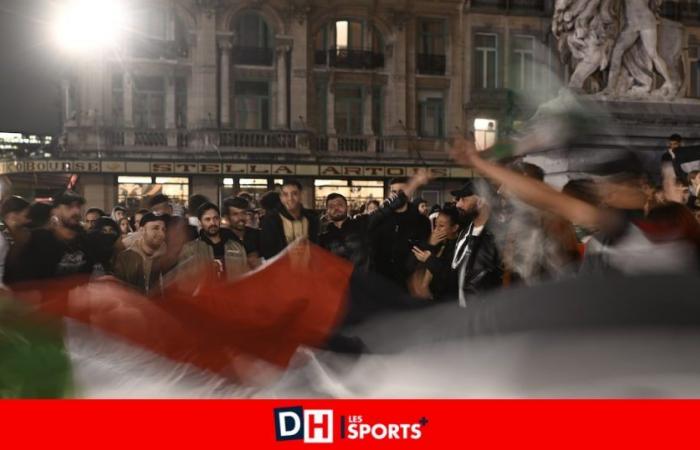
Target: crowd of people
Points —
{"points": [[505, 228]]}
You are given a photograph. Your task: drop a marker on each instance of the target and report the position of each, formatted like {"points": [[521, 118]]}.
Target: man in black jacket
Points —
{"points": [[394, 230], [345, 236], [291, 221], [476, 257]]}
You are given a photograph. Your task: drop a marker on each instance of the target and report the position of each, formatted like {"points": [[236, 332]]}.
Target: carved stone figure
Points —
{"points": [[617, 48]]}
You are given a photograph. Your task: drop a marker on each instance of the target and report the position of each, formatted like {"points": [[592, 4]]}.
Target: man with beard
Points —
{"points": [[216, 248], [236, 210], [140, 265], [344, 236], [60, 249], [288, 223], [91, 216], [476, 256]]}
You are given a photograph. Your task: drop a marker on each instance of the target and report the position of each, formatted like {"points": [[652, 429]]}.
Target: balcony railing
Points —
{"points": [[151, 48], [347, 58], [151, 138], [134, 142], [254, 56], [510, 5], [258, 139], [431, 64]]}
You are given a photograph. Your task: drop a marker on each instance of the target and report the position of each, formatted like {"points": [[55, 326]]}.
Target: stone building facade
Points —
{"points": [[217, 96]]}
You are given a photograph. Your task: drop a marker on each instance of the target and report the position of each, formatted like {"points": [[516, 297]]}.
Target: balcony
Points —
{"points": [[516, 6], [253, 56], [346, 58], [428, 64], [132, 143], [258, 139], [151, 48]]}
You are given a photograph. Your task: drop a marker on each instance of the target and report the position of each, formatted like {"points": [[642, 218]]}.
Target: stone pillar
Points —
{"points": [[367, 111], [330, 118], [300, 86], [128, 84], [281, 67], [170, 119], [396, 86], [225, 46], [308, 192], [204, 68]]}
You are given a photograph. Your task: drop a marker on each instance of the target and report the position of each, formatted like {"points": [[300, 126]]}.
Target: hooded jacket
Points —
{"points": [[272, 236]]}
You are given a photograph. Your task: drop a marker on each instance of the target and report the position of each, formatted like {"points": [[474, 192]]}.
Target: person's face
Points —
{"points": [[673, 145], [337, 210], [162, 208], [69, 215], [291, 197], [154, 234], [211, 222], [237, 218], [444, 224], [396, 187], [18, 219], [118, 215], [137, 221], [423, 209], [371, 207], [124, 225], [90, 220], [468, 205]]}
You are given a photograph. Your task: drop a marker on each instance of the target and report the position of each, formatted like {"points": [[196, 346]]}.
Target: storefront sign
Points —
{"points": [[214, 168]]}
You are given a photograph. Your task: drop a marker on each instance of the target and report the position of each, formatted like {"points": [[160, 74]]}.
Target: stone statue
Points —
{"points": [[618, 48]]}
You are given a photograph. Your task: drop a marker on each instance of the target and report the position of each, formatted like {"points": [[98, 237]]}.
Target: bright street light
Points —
{"points": [[89, 25]]}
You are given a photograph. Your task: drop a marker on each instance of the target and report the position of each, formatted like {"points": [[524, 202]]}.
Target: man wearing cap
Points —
{"points": [[476, 257], [59, 250], [140, 265]]}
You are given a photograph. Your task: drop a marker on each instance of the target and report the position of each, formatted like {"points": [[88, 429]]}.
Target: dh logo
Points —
{"points": [[314, 426]]}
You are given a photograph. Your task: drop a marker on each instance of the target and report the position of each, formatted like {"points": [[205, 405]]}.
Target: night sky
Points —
{"points": [[30, 69]]}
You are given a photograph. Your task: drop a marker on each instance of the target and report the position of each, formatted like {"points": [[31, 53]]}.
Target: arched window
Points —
{"points": [[350, 44], [253, 40]]}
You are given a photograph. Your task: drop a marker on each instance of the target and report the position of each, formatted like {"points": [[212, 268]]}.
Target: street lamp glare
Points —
{"points": [[89, 25]]}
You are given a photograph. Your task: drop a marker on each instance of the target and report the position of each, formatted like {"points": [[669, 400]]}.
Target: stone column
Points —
{"points": [[207, 185], [300, 85], [99, 191], [128, 84], [204, 68], [330, 117], [281, 67], [367, 111], [170, 114], [225, 47], [396, 85]]}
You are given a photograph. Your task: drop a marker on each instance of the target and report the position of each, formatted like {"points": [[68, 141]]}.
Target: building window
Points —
{"points": [[253, 40], [485, 133], [149, 102], [252, 105], [486, 61], [134, 192], [523, 63], [180, 103], [695, 74], [118, 99], [348, 110], [321, 99], [357, 192], [431, 114], [350, 44], [431, 46]]}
